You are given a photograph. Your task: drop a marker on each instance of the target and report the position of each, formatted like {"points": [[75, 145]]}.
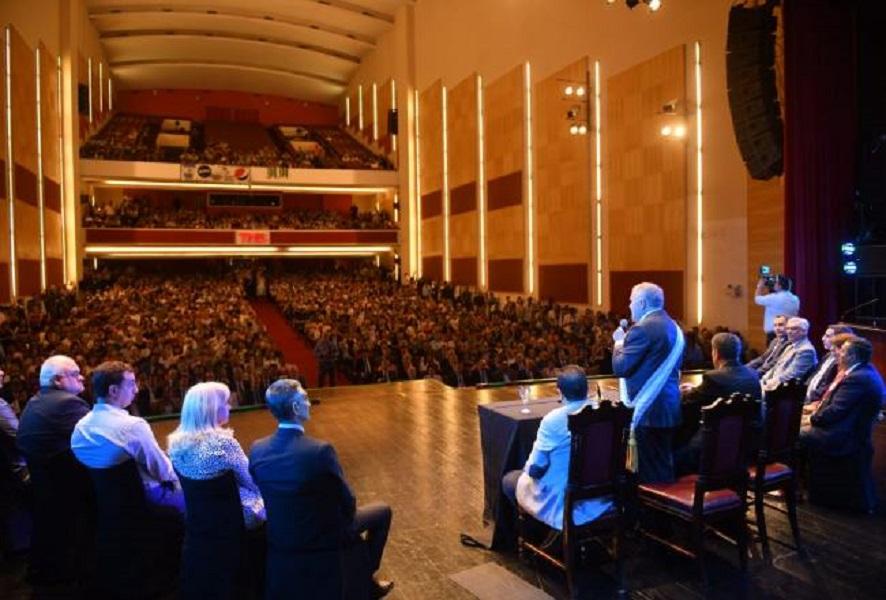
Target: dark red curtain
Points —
{"points": [[820, 149]]}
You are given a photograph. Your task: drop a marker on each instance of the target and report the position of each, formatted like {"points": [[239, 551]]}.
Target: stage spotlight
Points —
{"points": [[848, 249], [680, 131], [653, 5], [569, 90], [667, 130], [850, 267], [582, 129], [574, 130], [580, 91]]}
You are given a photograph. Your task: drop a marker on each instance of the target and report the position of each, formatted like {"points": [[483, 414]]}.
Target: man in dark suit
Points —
{"points": [[767, 360], [325, 510], [727, 377], [841, 425], [644, 352], [824, 375], [61, 485]]}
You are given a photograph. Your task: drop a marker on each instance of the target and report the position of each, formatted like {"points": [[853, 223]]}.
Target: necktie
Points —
{"points": [[827, 395]]}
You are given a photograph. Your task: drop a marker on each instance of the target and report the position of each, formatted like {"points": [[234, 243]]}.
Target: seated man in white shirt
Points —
{"points": [[109, 435], [540, 488]]}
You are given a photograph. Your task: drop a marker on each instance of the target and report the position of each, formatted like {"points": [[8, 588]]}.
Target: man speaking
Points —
{"points": [[648, 359]]}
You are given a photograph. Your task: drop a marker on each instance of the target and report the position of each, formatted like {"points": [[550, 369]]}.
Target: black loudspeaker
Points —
{"points": [[393, 127], [753, 99]]}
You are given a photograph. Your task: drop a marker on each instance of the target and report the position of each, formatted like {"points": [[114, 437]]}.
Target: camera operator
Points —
{"points": [[774, 295]]}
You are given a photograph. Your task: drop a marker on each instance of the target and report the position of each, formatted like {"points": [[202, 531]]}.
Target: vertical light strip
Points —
{"points": [[378, 261], [89, 87], [101, 88], [61, 170], [481, 183], [598, 185], [41, 198], [110, 94], [530, 202], [360, 107], [347, 111], [396, 207], [699, 183], [393, 107], [447, 267], [374, 113], [417, 246], [10, 168]]}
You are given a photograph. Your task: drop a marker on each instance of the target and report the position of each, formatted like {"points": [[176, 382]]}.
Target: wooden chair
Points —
{"points": [[596, 470], [717, 493], [775, 467]]}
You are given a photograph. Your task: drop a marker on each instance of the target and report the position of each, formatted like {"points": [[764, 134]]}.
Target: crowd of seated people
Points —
{"points": [[138, 212], [134, 137], [175, 329], [382, 331]]}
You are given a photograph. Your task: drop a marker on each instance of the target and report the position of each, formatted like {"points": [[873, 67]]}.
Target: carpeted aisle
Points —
{"points": [[295, 349]]}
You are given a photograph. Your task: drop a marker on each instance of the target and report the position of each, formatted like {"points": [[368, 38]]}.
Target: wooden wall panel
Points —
{"points": [[464, 225], [464, 271], [51, 162], [384, 105], [432, 267], [368, 115], [431, 167], [647, 172], [4, 198], [563, 196], [621, 282], [24, 150], [504, 113], [765, 245]]}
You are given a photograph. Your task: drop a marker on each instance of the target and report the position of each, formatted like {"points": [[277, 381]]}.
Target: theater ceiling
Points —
{"points": [[306, 49]]}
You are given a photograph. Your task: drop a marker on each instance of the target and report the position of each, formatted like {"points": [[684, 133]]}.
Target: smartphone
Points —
{"points": [[765, 271]]}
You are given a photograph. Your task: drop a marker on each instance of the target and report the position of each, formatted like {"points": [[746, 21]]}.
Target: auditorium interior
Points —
{"points": [[425, 216]]}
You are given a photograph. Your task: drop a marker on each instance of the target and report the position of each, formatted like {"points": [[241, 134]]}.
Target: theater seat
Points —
{"points": [[680, 496], [772, 473]]}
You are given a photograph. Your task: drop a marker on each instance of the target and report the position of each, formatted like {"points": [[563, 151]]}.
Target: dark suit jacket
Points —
{"points": [[842, 424], [720, 383], [47, 422], [310, 505], [764, 362], [646, 346]]}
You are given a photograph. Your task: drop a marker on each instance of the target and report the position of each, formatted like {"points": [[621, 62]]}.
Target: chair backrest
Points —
{"points": [[213, 507], [781, 424], [597, 452], [726, 432], [119, 494]]}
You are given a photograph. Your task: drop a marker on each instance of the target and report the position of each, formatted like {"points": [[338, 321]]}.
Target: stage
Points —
{"points": [[416, 445]]}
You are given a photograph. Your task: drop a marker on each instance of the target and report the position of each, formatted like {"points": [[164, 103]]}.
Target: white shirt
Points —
{"points": [[545, 497], [108, 436], [777, 303]]}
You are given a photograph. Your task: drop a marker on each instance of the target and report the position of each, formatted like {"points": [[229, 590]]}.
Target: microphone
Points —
{"points": [[855, 308]]}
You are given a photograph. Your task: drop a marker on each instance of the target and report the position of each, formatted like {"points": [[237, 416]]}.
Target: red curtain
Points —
{"points": [[820, 149]]}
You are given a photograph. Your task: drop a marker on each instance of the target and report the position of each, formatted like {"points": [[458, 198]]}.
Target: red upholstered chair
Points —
{"points": [[596, 470], [776, 462], [717, 492]]}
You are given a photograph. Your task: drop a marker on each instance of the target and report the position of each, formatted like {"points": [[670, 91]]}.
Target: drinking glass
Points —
{"points": [[523, 393]]}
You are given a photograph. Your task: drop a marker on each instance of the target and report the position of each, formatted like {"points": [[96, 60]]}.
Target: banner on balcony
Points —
{"points": [[252, 237], [216, 173]]}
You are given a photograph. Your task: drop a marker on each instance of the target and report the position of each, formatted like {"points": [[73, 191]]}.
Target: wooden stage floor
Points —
{"points": [[416, 446]]}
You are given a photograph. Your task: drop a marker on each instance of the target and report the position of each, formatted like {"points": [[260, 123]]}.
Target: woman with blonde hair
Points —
{"points": [[200, 448]]}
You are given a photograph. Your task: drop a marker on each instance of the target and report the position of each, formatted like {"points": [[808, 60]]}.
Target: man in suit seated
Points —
{"points": [[727, 377], [292, 461], [540, 487], [779, 343], [797, 360], [841, 425], [827, 370]]}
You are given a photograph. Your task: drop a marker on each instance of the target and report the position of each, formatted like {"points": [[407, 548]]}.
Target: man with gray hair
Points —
{"points": [[648, 358], [796, 361], [311, 507], [61, 485]]}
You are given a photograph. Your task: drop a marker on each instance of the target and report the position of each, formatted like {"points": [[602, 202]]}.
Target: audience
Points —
{"points": [[201, 448], [827, 369], [140, 213], [109, 436]]}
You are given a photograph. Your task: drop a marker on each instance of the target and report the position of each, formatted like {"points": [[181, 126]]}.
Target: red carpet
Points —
{"points": [[295, 349]]}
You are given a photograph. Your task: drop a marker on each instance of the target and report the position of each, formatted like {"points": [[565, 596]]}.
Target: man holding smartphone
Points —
{"points": [[774, 295]]}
